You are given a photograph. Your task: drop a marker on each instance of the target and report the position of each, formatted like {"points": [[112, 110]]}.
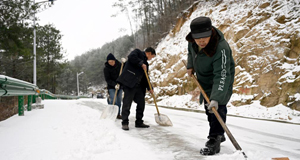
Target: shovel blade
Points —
{"points": [[162, 120], [110, 112]]}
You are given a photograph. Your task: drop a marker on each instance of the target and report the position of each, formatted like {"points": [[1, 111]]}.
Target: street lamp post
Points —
{"points": [[34, 42], [78, 82]]}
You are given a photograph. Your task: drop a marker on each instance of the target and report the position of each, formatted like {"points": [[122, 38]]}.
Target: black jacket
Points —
{"points": [[111, 74], [133, 73]]}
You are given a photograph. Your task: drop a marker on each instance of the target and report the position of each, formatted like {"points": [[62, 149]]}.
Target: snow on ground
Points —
{"points": [[66, 131], [73, 130]]}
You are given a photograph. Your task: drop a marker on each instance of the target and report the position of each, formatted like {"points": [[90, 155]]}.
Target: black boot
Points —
{"points": [[223, 139], [212, 146], [141, 125], [125, 127], [119, 117]]}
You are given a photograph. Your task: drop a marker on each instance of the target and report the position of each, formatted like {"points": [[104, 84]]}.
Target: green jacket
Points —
{"points": [[214, 67]]}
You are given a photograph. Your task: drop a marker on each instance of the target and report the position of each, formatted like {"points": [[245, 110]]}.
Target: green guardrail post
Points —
{"points": [[29, 102], [21, 105]]}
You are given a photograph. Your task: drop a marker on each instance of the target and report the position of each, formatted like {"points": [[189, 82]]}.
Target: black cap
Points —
{"points": [[201, 27], [110, 57]]}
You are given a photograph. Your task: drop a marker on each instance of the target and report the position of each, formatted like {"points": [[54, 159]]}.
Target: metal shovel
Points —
{"points": [[160, 119], [111, 111]]}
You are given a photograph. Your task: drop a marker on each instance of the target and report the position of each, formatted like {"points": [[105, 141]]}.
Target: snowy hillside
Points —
{"points": [[264, 36]]}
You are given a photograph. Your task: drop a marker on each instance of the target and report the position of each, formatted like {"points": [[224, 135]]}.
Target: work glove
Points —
{"points": [[117, 86], [123, 60], [213, 103]]}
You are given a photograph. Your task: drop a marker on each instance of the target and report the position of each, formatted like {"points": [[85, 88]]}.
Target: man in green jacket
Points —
{"points": [[210, 56]]}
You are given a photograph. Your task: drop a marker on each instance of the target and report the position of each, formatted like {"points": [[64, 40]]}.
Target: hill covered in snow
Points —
{"points": [[265, 39]]}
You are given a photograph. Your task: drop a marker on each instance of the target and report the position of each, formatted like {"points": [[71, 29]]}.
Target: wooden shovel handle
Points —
{"points": [[117, 89], [153, 96]]}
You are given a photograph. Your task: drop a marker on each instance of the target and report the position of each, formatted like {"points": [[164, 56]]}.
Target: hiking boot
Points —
{"points": [[142, 125], [212, 146], [125, 127], [119, 117]]}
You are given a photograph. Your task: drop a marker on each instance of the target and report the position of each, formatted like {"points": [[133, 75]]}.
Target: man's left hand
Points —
{"points": [[123, 60], [117, 86], [213, 103]]}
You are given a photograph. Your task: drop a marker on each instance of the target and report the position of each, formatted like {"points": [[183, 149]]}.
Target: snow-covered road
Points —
{"points": [[72, 129]]}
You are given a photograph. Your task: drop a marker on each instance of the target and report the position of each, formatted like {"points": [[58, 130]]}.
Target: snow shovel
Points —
{"points": [[160, 119], [232, 139], [111, 111]]}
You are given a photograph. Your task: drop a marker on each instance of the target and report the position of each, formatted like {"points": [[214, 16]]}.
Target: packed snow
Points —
{"points": [[72, 129]]}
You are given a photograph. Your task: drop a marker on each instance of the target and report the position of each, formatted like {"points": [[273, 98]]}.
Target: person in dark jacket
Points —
{"points": [[134, 84], [210, 56], [111, 72]]}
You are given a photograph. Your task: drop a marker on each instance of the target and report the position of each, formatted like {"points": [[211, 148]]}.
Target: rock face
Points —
{"points": [[264, 36]]}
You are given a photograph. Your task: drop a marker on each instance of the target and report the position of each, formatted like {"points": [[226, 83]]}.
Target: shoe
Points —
{"points": [[212, 146], [119, 117], [142, 125], [125, 127]]}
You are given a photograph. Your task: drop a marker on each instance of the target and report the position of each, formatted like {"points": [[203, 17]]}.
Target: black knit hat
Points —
{"points": [[110, 57], [201, 27]]}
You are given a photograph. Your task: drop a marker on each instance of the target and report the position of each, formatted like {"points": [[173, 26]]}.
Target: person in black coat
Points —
{"points": [[134, 82], [111, 72]]}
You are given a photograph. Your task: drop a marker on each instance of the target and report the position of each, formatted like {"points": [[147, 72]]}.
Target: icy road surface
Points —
{"points": [[72, 130]]}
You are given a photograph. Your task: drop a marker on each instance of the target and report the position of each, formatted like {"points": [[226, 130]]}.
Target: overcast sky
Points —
{"points": [[84, 24]]}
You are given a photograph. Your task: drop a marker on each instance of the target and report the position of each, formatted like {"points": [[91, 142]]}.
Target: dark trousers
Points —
{"points": [[136, 94], [215, 127]]}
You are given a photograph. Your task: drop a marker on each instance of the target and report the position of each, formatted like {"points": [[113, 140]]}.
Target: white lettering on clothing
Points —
{"points": [[223, 72]]}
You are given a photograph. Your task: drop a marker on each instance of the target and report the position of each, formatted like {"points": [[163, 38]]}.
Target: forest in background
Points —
{"points": [[150, 20]]}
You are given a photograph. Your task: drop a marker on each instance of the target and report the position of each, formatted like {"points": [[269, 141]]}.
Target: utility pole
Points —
{"points": [[34, 41], [78, 82]]}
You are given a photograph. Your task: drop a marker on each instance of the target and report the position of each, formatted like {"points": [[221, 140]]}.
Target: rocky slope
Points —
{"points": [[265, 38]]}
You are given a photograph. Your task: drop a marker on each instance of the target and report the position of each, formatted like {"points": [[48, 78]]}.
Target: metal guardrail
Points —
{"points": [[14, 87], [45, 94]]}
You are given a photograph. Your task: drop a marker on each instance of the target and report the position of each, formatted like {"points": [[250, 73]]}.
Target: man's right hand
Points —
{"points": [[144, 67], [151, 91], [190, 72]]}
